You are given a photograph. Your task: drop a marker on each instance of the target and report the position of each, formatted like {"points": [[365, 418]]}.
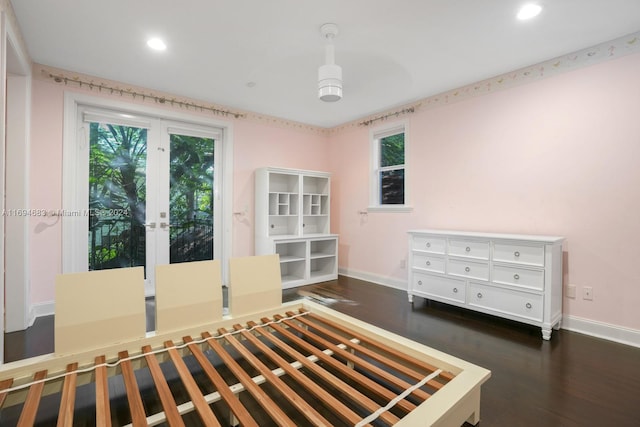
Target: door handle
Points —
{"points": [[164, 225], [150, 224]]}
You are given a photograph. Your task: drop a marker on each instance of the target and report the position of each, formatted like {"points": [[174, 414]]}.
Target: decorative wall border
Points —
{"points": [[593, 55], [87, 83]]}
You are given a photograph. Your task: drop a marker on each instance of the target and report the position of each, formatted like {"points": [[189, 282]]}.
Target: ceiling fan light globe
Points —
{"points": [[330, 83]]}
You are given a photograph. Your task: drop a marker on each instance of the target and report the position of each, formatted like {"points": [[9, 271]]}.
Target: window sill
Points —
{"points": [[390, 208]]}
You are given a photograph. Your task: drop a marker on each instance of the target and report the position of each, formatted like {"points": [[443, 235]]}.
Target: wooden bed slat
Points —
{"points": [[372, 354], [354, 375], [103, 408], [4, 384], [261, 397], [31, 403], [301, 367], [222, 387], [166, 398], [302, 405], [364, 339], [68, 400], [336, 405], [376, 370], [349, 392], [138, 416], [202, 407]]}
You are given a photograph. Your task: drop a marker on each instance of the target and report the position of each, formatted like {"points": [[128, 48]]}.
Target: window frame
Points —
{"points": [[375, 135]]}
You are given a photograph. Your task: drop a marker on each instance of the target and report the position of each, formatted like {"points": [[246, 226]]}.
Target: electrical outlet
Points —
{"points": [[571, 291], [587, 293]]}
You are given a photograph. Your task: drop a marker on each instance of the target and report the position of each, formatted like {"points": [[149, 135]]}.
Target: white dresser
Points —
{"points": [[518, 277]]}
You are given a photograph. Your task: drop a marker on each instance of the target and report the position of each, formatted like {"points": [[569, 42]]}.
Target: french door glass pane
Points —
{"points": [[191, 198], [117, 196]]}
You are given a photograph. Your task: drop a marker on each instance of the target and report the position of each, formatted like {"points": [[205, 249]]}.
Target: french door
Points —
{"points": [[147, 192]]}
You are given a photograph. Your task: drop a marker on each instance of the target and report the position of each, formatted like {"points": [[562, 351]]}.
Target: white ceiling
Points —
{"points": [[391, 52]]}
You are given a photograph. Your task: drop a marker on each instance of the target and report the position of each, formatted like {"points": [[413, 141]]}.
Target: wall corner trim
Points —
{"points": [[41, 309], [607, 331]]}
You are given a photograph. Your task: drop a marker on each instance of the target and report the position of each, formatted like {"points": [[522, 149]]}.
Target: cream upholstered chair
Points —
{"points": [[254, 284], [98, 308], [188, 295]]}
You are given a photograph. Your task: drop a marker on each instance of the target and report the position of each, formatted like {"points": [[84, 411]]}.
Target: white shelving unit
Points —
{"points": [[292, 219]]}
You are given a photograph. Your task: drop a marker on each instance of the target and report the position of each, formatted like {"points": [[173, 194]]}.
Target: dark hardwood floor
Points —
{"points": [[572, 380]]}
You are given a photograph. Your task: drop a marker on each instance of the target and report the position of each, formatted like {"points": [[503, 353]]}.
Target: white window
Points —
{"points": [[388, 189]]}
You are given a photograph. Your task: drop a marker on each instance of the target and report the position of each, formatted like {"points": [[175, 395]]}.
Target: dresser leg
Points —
{"points": [[546, 333], [411, 298]]}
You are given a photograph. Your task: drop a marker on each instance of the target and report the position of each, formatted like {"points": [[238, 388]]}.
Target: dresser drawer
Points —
{"points": [[428, 262], [514, 303], [439, 287], [468, 269], [469, 248], [433, 244], [521, 254], [514, 276]]}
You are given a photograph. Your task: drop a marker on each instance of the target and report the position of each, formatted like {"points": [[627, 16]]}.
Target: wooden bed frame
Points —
{"points": [[299, 363]]}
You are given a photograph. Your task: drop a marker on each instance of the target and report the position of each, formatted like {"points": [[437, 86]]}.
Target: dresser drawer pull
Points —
{"points": [[528, 305], [419, 282], [428, 244], [468, 249], [516, 276], [516, 254], [428, 263], [455, 290], [467, 269], [479, 295]]}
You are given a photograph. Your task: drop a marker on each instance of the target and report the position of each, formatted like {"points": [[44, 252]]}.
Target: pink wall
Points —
{"points": [[255, 145], [558, 156]]}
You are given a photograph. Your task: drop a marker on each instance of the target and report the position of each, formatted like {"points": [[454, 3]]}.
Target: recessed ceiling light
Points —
{"points": [[156, 44], [528, 11]]}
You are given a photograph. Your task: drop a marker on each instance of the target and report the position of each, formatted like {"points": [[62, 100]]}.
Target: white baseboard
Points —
{"points": [[379, 280], [602, 330], [581, 325], [41, 309]]}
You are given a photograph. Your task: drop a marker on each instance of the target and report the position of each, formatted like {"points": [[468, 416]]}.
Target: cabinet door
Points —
{"points": [[519, 253], [512, 303], [469, 248], [431, 244], [428, 262], [469, 269], [439, 288], [519, 277]]}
